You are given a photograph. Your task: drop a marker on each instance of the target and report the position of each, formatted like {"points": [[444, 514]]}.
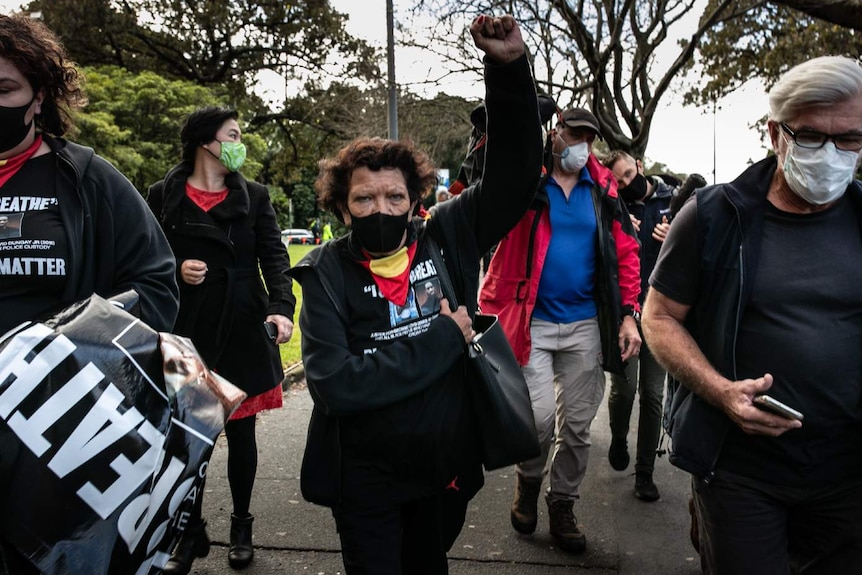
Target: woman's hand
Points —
{"points": [[500, 38], [193, 272], [461, 317], [284, 325]]}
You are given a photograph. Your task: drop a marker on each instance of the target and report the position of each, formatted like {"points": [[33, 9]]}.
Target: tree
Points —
{"points": [[212, 42], [620, 58], [844, 13], [320, 122], [334, 81], [600, 54], [764, 42], [133, 121]]}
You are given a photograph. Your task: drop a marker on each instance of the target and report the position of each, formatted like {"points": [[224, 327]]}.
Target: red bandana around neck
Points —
{"points": [[10, 166], [392, 273], [203, 199]]}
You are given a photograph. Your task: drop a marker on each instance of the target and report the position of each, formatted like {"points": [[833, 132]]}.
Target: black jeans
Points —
{"points": [[644, 374], [749, 526], [380, 538]]}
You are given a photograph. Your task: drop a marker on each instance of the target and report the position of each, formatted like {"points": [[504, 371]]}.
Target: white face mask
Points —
{"points": [[821, 175], [574, 158]]}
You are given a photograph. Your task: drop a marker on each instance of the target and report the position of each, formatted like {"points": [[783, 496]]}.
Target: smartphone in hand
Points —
{"points": [[768, 403], [271, 330]]}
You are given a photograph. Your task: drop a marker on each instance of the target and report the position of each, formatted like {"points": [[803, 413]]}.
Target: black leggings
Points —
{"points": [[241, 462], [241, 467]]}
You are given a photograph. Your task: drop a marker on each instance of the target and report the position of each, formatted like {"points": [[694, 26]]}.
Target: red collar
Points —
{"points": [[392, 273], [10, 166]]}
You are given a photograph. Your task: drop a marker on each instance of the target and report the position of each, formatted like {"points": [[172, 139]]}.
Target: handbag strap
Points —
{"points": [[473, 348], [442, 272]]}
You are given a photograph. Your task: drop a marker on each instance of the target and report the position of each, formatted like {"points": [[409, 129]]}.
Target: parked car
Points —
{"points": [[297, 236]]}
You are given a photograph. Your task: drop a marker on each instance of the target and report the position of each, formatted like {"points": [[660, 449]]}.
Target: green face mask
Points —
{"points": [[232, 155]]}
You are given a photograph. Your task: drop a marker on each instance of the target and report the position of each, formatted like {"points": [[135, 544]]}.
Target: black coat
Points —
{"points": [[224, 315], [400, 410], [114, 242]]}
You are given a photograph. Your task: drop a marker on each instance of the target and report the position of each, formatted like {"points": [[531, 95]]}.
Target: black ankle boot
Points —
{"points": [[192, 544], [241, 552]]}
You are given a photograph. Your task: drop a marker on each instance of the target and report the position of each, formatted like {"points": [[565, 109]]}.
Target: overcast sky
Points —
{"points": [[681, 137]]}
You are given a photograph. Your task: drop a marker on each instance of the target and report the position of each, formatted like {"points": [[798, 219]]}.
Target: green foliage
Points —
{"points": [[304, 204], [213, 42], [320, 122], [256, 151], [281, 205], [149, 63], [134, 120], [764, 42]]}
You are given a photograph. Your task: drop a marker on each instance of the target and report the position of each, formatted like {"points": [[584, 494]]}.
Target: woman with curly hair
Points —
{"points": [[94, 232], [392, 444], [74, 225]]}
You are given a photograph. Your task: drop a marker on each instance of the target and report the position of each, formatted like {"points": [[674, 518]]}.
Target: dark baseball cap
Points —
{"points": [[581, 118]]}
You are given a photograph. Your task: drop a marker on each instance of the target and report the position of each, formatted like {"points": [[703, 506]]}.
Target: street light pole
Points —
{"points": [[714, 163], [390, 60]]}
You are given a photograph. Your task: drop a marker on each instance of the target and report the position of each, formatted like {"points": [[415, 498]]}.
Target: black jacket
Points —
{"points": [[224, 315], [398, 413], [115, 244], [650, 213], [729, 227]]}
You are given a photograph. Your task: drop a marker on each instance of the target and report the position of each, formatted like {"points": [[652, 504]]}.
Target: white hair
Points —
{"points": [[820, 81]]}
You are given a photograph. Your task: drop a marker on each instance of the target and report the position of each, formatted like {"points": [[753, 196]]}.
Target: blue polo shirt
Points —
{"points": [[567, 286]]}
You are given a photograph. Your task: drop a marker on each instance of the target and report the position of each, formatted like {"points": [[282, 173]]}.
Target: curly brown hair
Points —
{"points": [[40, 57], [333, 181]]}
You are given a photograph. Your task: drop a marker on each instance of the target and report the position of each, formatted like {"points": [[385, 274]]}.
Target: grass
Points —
{"points": [[290, 351]]}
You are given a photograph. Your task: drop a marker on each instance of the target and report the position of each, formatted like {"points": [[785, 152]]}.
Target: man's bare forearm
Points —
{"points": [[674, 347]]}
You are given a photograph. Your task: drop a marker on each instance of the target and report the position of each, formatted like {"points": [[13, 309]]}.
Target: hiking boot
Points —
{"points": [[618, 454], [645, 489], [525, 513], [193, 543], [564, 526]]}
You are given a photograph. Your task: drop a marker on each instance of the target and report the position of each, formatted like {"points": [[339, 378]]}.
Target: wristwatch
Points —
{"points": [[630, 310]]}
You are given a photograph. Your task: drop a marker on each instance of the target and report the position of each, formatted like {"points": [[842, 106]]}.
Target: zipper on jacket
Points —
{"points": [[520, 292], [707, 479], [738, 312]]}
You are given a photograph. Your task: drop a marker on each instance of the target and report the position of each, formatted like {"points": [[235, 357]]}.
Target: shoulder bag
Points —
{"points": [[497, 386]]}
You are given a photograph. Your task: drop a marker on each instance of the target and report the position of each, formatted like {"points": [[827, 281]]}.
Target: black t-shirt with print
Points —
{"points": [[401, 441], [33, 244]]}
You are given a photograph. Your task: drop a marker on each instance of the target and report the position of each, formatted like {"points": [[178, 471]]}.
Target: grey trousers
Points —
{"points": [[566, 385], [644, 374]]}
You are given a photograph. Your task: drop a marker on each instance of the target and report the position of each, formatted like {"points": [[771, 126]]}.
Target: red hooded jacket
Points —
{"points": [[510, 287]]}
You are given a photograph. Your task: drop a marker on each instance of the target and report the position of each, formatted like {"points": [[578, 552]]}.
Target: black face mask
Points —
{"points": [[13, 130], [636, 190], [380, 233]]}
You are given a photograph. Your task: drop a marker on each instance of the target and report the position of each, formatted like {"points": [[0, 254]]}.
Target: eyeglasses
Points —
{"points": [[813, 140]]}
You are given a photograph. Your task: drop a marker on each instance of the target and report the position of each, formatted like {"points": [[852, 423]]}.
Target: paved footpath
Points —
{"points": [[624, 535]]}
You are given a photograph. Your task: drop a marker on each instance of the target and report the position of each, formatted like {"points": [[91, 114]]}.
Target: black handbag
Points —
{"points": [[497, 388]]}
